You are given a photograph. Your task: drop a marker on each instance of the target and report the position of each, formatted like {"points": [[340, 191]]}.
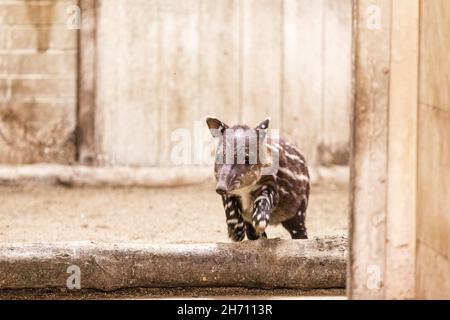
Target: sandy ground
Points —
{"points": [[184, 214]]}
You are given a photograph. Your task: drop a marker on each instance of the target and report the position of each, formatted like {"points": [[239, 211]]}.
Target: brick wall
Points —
{"points": [[37, 81]]}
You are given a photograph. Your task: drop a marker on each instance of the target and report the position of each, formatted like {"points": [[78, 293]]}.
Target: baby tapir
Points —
{"points": [[261, 180]]}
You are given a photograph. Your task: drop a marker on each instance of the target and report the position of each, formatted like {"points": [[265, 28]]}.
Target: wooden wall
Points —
{"points": [[400, 222], [161, 65], [402, 151], [433, 204], [149, 67]]}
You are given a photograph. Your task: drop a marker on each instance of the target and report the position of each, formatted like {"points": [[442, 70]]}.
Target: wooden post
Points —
{"points": [[385, 149], [85, 133], [369, 158]]}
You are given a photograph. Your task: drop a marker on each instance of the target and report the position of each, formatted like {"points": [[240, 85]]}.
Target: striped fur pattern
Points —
{"points": [[253, 200]]}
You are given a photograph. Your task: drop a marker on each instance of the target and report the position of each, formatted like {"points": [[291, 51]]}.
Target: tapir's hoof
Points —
{"points": [[260, 226]]}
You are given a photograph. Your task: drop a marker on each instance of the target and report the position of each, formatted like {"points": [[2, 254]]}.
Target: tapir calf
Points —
{"points": [[262, 181]]}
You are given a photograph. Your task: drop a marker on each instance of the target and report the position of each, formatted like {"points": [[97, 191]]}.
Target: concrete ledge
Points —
{"points": [[300, 264], [79, 176]]}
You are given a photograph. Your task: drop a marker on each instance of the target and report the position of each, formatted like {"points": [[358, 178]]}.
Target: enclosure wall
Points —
{"points": [[173, 62], [38, 75], [148, 68], [400, 226], [433, 214]]}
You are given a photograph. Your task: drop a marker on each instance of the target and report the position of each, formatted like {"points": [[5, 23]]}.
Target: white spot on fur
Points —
{"points": [[299, 177], [273, 148], [278, 146], [232, 221], [293, 157], [261, 198]]}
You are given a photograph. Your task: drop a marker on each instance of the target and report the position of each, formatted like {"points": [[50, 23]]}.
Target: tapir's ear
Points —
{"points": [[262, 129], [263, 125], [216, 126]]}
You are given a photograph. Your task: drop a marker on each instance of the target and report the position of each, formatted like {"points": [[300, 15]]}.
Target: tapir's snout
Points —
{"points": [[221, 188], [225, 176]]}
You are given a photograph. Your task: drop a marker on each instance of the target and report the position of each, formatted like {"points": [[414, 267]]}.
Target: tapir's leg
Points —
{"points": [[251, 232], [235, 222], [262, 206], [296, 226]]}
